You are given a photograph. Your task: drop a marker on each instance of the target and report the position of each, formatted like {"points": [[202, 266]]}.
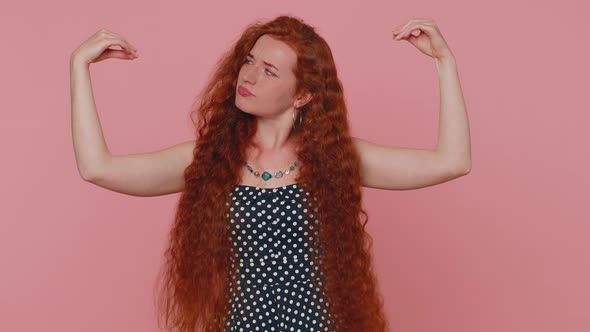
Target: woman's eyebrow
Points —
{"points": [[266, 63]]}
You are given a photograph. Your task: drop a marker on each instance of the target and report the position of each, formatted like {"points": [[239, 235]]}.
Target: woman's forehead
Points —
{"points": [[275, 52]]}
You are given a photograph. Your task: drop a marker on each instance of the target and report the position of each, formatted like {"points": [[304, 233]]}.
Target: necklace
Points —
{"points": [[278, 174]]}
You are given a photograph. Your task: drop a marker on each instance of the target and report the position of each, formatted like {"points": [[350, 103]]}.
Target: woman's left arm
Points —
{"points": [[454, 140], [405, 168]]}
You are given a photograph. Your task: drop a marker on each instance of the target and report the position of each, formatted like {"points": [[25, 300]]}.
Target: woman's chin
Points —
{"points": [[245, 109]]}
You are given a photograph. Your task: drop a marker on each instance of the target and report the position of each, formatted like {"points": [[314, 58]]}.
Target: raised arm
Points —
{"points": [[143, 174]]}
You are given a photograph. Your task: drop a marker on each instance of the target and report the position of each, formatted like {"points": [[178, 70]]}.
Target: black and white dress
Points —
{"points": [[274, 243]]}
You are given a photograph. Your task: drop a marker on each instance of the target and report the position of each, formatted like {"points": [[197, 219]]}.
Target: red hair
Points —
{"points": [[194, 292]]}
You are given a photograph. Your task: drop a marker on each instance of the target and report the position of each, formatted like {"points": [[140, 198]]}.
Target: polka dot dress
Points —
{"points": [[277, 286]]}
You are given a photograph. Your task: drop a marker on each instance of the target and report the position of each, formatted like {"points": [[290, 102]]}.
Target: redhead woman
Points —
{"points": [[269, 231]]}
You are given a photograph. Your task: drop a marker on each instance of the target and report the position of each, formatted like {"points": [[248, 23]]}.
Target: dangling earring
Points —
{"points": [[294, 118]]}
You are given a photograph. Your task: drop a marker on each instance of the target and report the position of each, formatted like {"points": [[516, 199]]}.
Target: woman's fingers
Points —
{"points": [[400, 28], [123, 43], [404, 30], [105, 52], [97, 48]]}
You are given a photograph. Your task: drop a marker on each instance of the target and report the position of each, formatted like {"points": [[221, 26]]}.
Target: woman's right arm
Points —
{"points": [[143, 174]]}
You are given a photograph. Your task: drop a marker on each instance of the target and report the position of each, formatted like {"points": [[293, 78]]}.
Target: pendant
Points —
{"points": [[267, 176]]}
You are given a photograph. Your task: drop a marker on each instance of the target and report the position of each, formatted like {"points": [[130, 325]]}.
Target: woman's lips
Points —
{"points": [[244, 92]]}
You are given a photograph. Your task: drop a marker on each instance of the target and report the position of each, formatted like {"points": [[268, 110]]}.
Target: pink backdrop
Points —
{"points": [[504, 248]]}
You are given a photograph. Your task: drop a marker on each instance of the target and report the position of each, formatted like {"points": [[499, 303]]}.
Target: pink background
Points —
{"points": [[503, 249]]}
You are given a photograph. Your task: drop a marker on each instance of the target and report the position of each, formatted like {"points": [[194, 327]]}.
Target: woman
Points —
{"points": [[268, 234]]}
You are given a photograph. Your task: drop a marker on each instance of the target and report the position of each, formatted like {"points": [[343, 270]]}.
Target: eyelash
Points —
{"points": [[273, 74]]}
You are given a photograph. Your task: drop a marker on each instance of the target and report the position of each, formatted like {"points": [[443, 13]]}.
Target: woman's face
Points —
{"points": [[267, 72]]}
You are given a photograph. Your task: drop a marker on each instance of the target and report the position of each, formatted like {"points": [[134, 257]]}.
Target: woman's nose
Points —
{"points": [[251, 74]]}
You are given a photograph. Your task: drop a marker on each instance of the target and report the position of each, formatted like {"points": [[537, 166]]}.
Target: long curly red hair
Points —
{"points": [[194, 291]]}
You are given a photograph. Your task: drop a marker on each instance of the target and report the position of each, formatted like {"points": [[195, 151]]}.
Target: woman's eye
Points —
{"points": [[247, 60]]}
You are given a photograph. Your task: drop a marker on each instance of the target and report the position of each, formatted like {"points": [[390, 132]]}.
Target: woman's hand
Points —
{"points": [[96, 48], [431, 42]]}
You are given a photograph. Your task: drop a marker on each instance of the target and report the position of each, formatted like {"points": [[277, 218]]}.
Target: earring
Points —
{"points": [[294, 118]]}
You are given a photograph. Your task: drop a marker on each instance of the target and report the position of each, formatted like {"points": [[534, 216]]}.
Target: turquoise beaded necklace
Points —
{"points": [[267, 176]]}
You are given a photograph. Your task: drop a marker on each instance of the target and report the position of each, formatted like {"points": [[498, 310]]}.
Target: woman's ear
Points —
{"points": [[302, 100]]}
